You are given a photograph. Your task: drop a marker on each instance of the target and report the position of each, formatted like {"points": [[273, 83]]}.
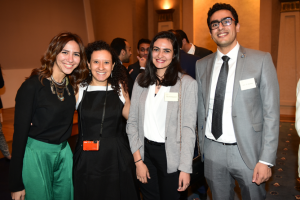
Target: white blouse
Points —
{"points": [[96, 88], [155, 114]]}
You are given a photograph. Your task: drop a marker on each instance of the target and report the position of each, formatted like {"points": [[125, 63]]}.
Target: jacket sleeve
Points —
{"points": [[132, 128], [269, 91], [188, 124]]}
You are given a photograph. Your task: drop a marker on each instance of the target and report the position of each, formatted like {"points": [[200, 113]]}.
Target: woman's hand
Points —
{"points": [[184, 181], [126, 108], [142, 172], [20, 195]]}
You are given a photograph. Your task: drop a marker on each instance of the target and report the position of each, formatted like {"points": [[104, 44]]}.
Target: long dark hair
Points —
{"points": [[150, 77], [118, 73], [55, 47]]}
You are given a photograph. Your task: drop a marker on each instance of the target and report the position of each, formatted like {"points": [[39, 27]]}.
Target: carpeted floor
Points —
{"points": [[283, 185]]}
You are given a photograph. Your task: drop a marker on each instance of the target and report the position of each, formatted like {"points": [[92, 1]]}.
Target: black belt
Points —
{"points": [[223, 143], [154, 143]]}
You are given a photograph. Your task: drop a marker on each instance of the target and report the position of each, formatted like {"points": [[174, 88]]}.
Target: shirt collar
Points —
{"points": [[192, 49], [231, 54]]}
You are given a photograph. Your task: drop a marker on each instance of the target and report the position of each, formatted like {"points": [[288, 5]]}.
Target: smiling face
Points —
{"points": [[101, 67], [162, 53], [143, 50], [67, 60], [224, 36]]}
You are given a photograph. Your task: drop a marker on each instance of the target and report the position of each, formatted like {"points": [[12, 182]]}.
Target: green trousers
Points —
{"points": [[47, 171]]}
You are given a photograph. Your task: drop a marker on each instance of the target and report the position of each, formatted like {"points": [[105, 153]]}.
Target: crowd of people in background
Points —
{"points": [[141, 127]]}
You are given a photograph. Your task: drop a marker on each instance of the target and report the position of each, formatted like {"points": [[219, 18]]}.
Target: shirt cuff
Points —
{"points": [[266, 163]]}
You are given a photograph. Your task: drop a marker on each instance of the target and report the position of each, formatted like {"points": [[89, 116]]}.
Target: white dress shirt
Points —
{"points": [[228, 135], [192, 49], [155, 114]]}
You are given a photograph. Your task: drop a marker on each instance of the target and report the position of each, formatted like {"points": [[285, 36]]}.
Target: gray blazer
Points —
{"points": [[179, 156], [255, 112]]}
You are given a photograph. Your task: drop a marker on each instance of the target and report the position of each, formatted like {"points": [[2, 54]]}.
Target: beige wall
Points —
{"points": [[269, 27], [249, 16], [26, 30], [119, 18], [188, 19], [154, 5]]}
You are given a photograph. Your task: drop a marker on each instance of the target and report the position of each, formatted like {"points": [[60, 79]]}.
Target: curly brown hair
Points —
{"points": [[119, 72], [55, 47]]}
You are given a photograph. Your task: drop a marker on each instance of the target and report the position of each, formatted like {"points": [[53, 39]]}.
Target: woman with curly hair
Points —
{"points": [[103, 163], [41, 164]]}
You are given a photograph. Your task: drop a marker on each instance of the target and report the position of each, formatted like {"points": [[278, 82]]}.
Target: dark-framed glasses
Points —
{"points": [[225, 22]]}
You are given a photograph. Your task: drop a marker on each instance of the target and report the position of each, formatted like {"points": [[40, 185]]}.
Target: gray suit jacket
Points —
{"points": [[179, 156], [255, 112]]}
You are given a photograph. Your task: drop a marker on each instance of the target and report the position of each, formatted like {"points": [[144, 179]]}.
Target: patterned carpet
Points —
{"points": [[283, 185]]}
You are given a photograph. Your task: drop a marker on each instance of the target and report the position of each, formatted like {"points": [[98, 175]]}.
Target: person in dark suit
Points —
{"points": [[190, 48], [138, 66], [238, 111], [123, 50]]}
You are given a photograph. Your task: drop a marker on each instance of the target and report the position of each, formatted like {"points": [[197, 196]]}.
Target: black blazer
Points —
{"points": [[202, 52], [188, 63], [136, 70]]}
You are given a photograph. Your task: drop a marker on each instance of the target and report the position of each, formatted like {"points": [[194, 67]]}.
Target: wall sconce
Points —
{"points": [[165, 19]]}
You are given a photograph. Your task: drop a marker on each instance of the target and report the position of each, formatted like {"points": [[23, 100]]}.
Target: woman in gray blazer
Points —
{"points": [[162, 121]]}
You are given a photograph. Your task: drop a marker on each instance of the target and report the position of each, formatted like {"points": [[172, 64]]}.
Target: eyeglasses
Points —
{"points": [[225, 22], [143, 49]]}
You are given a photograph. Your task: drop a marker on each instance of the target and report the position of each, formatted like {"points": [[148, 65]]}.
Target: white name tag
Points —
{"points": [[171, 96], [248, 84]]}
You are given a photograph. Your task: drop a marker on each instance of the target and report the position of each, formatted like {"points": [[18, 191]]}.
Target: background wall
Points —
{"points": [[119, 18], [26, 30], [28, 26], [249, 16]]}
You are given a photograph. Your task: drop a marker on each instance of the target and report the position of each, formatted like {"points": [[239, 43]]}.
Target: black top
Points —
{"points": [[110, 172], [51, 120]]}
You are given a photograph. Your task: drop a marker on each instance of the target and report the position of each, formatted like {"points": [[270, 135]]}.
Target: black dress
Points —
{"points": [[110, 172]]}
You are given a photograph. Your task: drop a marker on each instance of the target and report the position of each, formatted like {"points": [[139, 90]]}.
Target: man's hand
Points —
{"points": [[261, 173], [142, 61]]}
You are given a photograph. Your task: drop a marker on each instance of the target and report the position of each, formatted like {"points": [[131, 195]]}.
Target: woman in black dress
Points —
{"points": [[107, 171]]}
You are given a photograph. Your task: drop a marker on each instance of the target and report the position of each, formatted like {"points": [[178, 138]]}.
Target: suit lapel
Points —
{"points": [[209, 70], [172, 104], [241, 58]]}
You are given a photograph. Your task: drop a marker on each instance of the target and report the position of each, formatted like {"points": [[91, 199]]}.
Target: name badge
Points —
{"points": [[171, 96], [247, 84]]}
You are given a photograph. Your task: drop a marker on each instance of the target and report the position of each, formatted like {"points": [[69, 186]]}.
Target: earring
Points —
{"points": [[111, 74], [90, 73]]}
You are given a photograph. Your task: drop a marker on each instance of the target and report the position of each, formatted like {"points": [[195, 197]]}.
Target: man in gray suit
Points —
{"points": [[238, 111]]}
